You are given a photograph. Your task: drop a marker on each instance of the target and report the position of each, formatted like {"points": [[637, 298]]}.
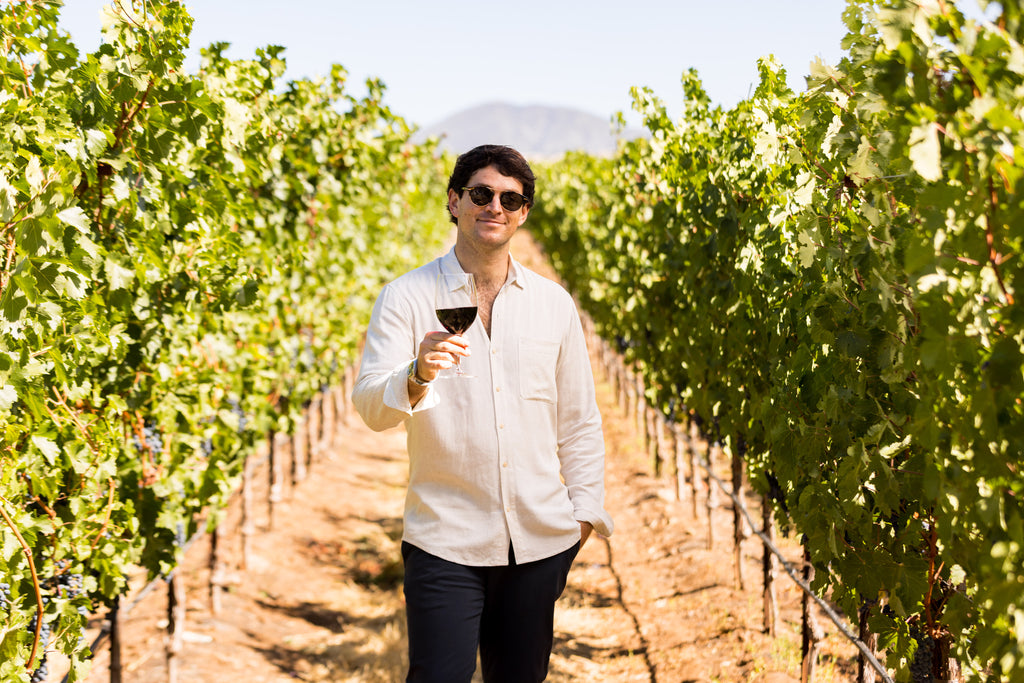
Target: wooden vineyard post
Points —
{"points": [[640, 408], [613, 375], [216, 566], [330, 421], [248, 515], [337, 403], [634, 397], [340, 403], [768, 569], [627, 396], [662, 440], [321, 407], [655, 448], [344, 397], [678, 475], [947, 668], [274, 476], [299, 453], [346, 393], [620, 373], [341, 398], [608, 361], [613, 371], [865, 672], [314, 421], [617, 387], [694, 479], [712, 499], [327, 424], [115, 641], [175, 623], [739, 528], [602, 355], [309, 437], [812, 635]]}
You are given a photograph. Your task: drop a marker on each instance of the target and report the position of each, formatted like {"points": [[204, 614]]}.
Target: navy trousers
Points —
{"points": [[508, 612]]}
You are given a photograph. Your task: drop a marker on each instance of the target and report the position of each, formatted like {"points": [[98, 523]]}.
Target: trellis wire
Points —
{"points": [[608, 353]]}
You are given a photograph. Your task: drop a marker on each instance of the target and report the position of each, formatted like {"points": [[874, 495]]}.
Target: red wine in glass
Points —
{"points": [[455, 304], [457, 320]]}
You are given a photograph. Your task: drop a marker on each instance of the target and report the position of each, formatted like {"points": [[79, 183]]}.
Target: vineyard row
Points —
{"points": [[825, 284], [186, 262]]}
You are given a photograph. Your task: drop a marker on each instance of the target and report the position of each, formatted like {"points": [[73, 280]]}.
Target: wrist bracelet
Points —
{"points": [[414, 376]]}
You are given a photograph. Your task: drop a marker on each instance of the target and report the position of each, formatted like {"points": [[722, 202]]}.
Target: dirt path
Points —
{"points": [[322, 601]]}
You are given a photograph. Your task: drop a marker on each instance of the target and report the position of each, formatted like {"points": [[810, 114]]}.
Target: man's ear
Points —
{"points": [[526, 212], [453, 203]]}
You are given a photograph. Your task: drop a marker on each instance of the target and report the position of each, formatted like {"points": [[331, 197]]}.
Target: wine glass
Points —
{"points": [[455, 304]]}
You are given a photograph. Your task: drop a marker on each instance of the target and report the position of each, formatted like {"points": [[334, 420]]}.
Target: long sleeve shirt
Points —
{"points": [[513, 454]]}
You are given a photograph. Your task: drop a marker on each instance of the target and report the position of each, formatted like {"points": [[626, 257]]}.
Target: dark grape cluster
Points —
{"points": [[236, 408], [921, 668], [41, 673], [5, 596], [69, 585], [152, 442], [207, 445]]}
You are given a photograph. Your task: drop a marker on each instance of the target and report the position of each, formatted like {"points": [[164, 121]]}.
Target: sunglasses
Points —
{"points": [[481, 195]]}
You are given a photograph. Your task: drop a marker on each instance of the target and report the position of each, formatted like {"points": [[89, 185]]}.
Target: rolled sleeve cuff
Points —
{"points": [[597, 517], [396, 392]]}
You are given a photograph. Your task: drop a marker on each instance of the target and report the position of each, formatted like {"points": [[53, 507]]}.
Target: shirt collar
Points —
{"points": [[450, 264], [515, 273]]}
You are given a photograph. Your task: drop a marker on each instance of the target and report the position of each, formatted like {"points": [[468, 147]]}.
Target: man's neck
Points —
{"points": [[490, 269]]}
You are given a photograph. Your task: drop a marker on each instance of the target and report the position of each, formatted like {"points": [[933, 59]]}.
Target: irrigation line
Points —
{"points": [[831, 613]]}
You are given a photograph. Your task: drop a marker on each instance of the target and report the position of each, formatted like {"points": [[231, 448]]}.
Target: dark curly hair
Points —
{"points": [[508, 161]]}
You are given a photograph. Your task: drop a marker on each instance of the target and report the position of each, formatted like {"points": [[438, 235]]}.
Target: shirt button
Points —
{"points": [[501, 426], [497, 389], [504, 464]]}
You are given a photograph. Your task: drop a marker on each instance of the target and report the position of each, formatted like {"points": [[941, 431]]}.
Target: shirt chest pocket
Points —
{"points": [[538, 359]]}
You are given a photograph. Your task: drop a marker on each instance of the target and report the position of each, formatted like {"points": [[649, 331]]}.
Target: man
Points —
{"points": [[506, 468]]}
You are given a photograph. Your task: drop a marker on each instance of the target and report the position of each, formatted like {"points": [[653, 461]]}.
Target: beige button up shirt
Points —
{"points": [[513, 454]]}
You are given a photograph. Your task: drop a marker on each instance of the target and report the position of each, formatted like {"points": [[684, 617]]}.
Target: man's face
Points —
{"points": [[486, 227]]}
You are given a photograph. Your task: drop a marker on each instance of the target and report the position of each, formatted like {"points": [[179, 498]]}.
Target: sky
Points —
{"points": [[439, 57]]}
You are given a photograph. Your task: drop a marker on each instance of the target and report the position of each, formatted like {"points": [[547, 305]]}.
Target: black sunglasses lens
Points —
{"points": [[511, 201], [481, 196]]}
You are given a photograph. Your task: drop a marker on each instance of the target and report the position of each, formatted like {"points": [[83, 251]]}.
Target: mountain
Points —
{"points": [[539, 132]]}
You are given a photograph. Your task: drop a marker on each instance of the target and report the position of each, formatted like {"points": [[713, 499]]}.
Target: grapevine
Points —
{"points": [[830, 278], [186, 259]]}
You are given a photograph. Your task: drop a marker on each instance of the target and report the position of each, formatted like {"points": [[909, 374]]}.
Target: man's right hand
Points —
{"points": [[437, 352]]}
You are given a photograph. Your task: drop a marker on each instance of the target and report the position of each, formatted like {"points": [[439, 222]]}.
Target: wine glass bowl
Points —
{"points": [[455, 303]]}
